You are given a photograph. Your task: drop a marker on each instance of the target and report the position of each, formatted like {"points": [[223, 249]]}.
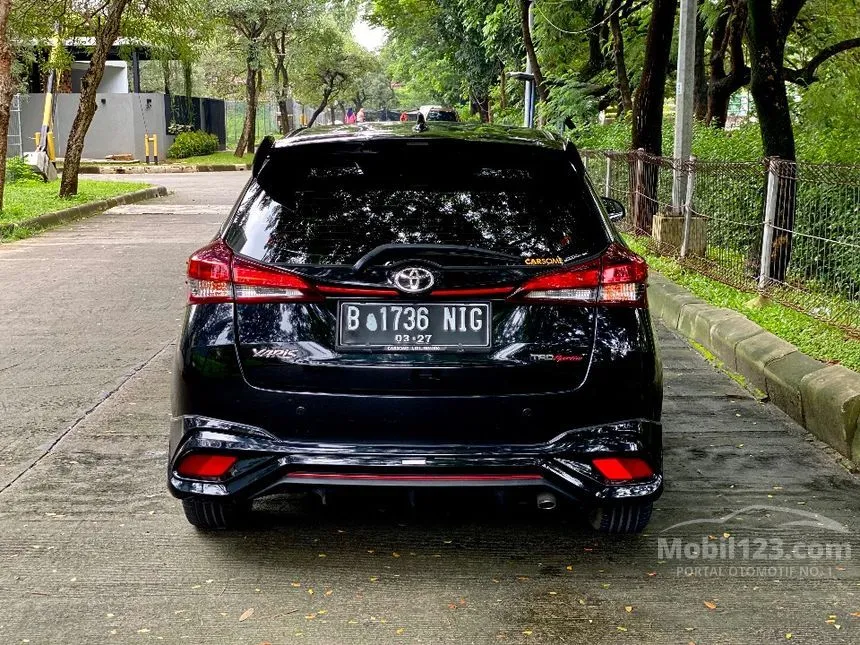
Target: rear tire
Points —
{"points": [[214, 516], [621, 519]]}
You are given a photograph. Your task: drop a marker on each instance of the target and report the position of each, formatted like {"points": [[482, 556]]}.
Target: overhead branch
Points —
{"points": [[806, 74], [784, 16]]}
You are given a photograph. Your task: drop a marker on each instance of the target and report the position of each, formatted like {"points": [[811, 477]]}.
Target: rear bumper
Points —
{"points": [[268, 465]]}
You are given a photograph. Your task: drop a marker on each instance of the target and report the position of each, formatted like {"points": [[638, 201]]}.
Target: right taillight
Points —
{"points": [[216, 274], [615, 278]]}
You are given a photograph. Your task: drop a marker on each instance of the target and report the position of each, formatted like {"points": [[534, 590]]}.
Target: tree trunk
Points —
{"points": [[284, 115], [596, 60], [481, 105], [766, 37], [326, 95], [246, 141], [281, 80], [189, 103], [7, 89], [503, 90], [648, 108], [530, 50], [726, 37], [331, 113], [105, 35], [618, 56], [700, 80], [165, 72]]}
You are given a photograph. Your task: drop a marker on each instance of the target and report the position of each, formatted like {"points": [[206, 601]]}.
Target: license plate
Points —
{"points": [[413, 326]]}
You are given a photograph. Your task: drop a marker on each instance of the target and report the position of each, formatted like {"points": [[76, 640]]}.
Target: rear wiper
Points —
{"points": [[413, 250]]}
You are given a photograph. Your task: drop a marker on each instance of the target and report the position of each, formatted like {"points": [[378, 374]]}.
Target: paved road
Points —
{"points": [[93, 549]]}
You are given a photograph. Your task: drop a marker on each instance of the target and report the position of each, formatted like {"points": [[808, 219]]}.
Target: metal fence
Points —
{"points": [[790, 231], [267, 120]]}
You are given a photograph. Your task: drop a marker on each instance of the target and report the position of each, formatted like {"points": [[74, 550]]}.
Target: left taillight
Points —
{"points": [[617, 277], [216, 274]]}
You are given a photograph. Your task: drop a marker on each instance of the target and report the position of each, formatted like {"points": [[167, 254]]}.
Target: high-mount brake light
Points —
{"points": [[216, 274], [615, 278]]}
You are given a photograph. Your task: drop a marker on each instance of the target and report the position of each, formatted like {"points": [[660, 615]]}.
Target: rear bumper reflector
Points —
{"points": [[623, 468], [207, 465]]}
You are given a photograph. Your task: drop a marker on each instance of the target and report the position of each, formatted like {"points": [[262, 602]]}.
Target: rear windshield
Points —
{"points": [[311, 208]]}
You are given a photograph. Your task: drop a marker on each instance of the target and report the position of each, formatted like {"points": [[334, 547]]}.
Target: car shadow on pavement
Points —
{"points": [[474, 528]]}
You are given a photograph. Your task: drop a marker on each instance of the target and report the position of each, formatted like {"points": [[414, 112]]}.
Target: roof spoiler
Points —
{"points": [[262, 154]]}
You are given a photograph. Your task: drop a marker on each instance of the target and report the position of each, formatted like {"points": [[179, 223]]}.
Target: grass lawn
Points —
{"points": [[216, 158], [27, 199], [811, 336]]}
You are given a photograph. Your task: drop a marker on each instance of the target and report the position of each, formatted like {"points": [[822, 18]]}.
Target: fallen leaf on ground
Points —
{"points": [[621, 629], [628, 608], [246, 614], [710, 605]]}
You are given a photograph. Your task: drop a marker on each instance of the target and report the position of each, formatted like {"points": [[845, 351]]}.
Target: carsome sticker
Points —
{"points": [[555, 260]]}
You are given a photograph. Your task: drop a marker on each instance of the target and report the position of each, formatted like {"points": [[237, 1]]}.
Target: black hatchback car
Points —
{"points": [[398, 306]]}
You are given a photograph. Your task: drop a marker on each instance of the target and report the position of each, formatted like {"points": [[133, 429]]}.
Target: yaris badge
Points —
{"points": [[413, 280]]}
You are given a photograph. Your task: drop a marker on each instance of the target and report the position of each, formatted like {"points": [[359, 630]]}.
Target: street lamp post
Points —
{"points": [[684, 100], [529, 78]]}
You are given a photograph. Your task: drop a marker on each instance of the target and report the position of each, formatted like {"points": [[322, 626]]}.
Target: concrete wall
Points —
{"points": [[118, 126]]}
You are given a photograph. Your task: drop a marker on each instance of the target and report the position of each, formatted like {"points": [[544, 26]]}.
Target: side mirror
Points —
{"points": [[614, 208]]}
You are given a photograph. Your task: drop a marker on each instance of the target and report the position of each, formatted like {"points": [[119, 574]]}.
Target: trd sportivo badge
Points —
{"points": [[413, 280]]}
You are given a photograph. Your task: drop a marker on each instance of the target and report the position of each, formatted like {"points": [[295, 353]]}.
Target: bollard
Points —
{"points": [[51, 150], [153, 139]]}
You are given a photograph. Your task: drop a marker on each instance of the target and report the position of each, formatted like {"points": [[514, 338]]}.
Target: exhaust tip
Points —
{"points": [[546, 501]]}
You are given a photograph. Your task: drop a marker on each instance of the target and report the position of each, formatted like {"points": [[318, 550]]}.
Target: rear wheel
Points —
{"points": [[214, 516], [621, 518]]}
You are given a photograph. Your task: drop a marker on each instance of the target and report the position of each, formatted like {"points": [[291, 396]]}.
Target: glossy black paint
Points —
{"points": [[267, 383]]}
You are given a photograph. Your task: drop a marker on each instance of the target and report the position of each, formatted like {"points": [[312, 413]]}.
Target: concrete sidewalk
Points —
{"points": [[93, 549]]}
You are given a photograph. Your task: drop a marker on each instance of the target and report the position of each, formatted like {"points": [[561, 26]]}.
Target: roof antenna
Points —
{"points": [[421, 125]]}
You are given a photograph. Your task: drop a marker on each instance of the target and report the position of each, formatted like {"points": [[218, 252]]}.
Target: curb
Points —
{"points": [[160, 170], [84, 210], [824, 399]]}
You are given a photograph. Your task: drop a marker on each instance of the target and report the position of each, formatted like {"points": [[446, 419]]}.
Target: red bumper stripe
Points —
{"points": [[413, 478]]}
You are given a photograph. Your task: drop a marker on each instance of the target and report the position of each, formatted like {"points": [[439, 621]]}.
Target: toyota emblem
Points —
{"points": [[413, 280]]}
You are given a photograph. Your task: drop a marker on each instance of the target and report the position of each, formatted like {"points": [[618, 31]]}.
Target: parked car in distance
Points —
{"points": [[438, 113], [449, 307]]}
